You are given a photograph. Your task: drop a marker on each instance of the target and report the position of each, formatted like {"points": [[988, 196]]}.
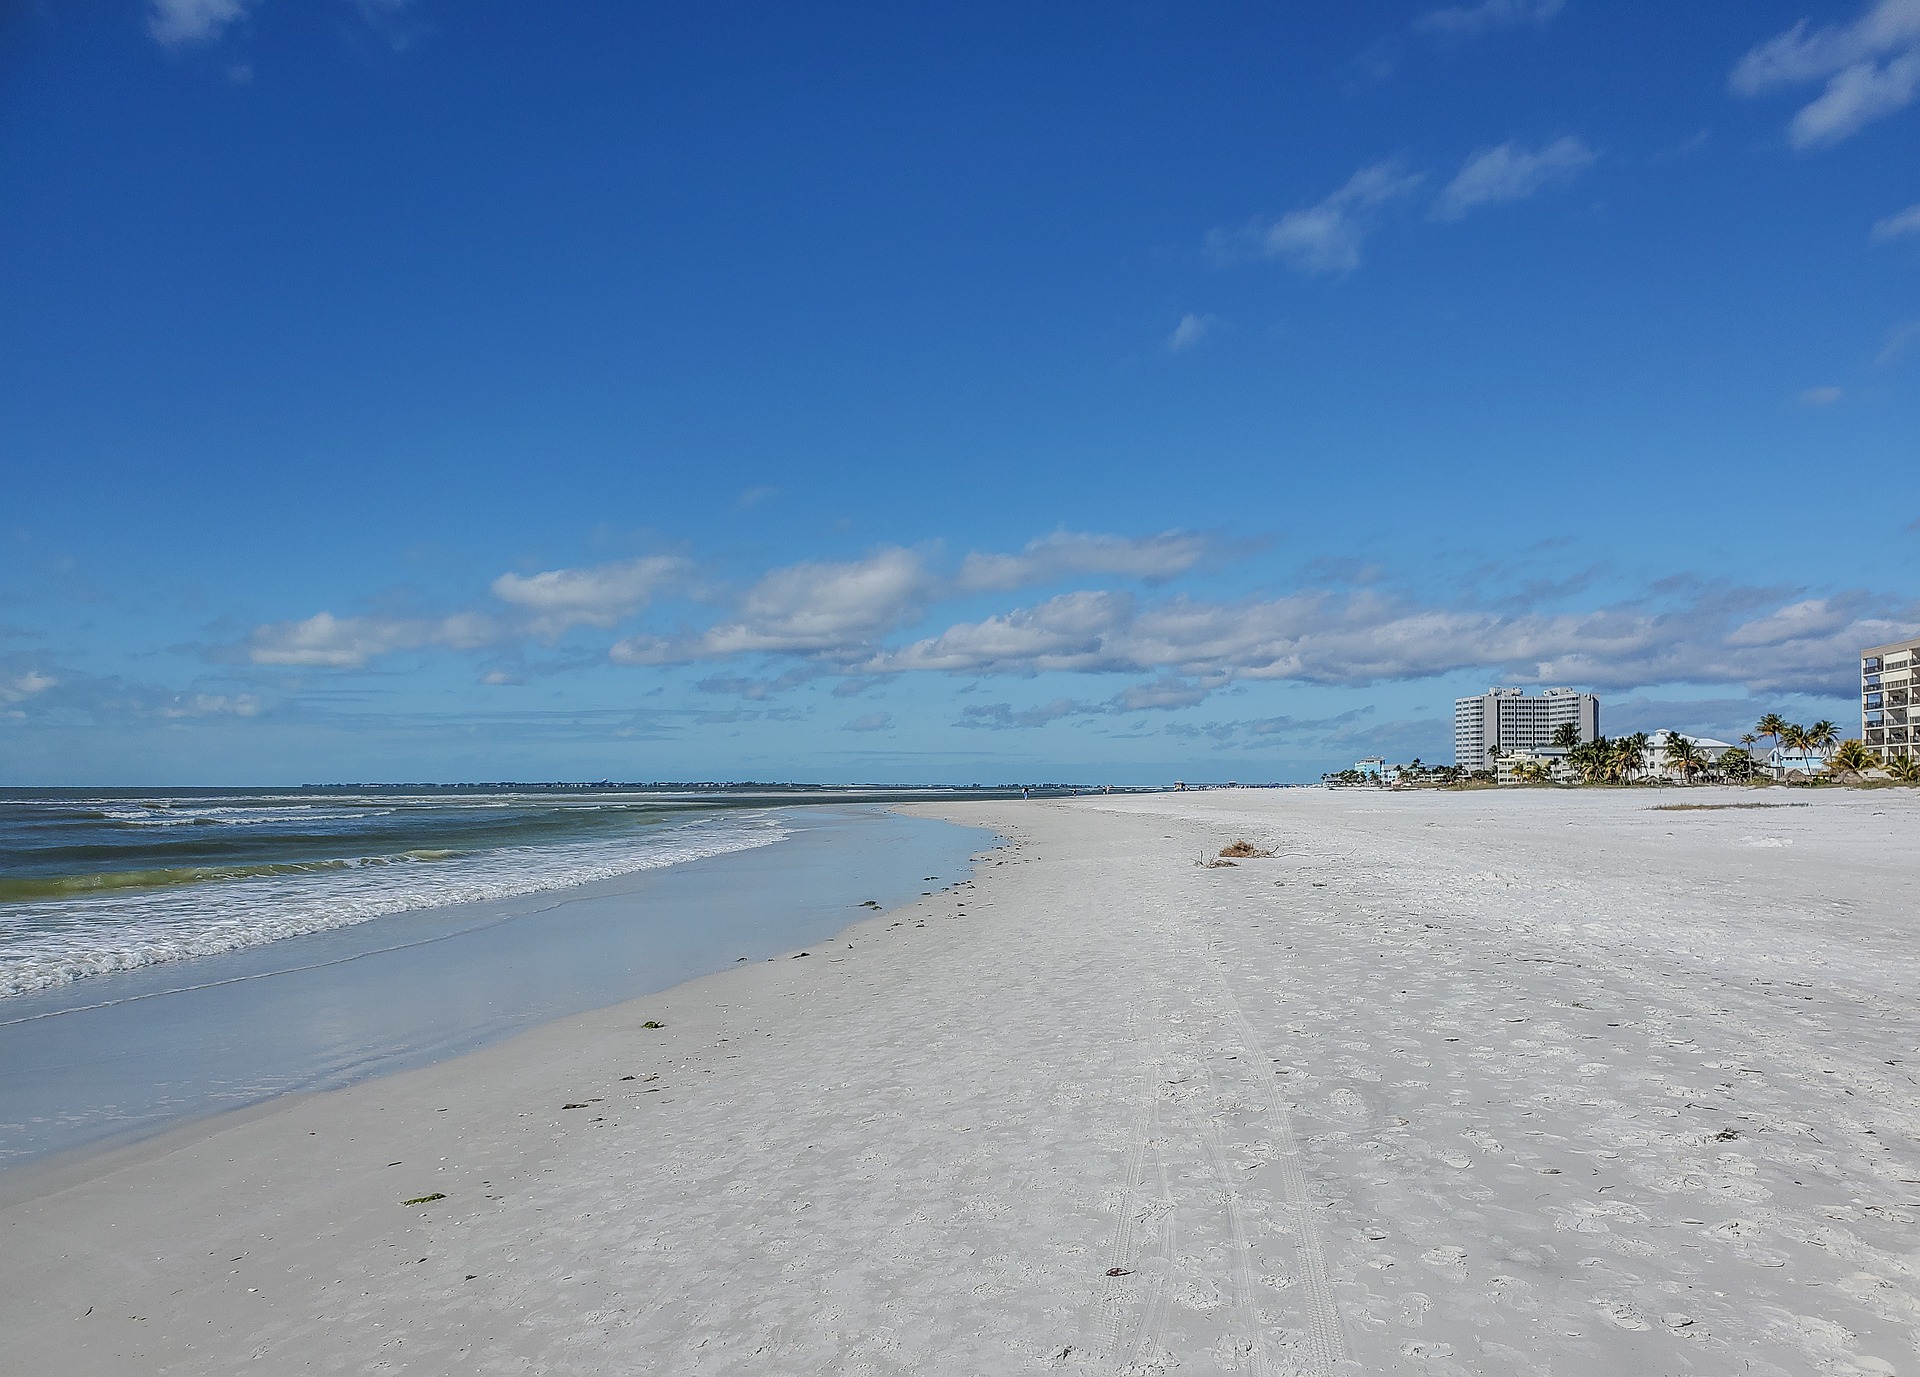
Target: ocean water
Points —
{"points": [[99, 881], [144, 1000]]}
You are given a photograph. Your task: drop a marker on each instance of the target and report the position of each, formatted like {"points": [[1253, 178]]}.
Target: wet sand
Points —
{"points": [[1509, 1082], [120, 1056]]}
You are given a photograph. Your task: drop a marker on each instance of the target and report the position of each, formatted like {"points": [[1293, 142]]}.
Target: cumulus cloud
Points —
{"points": [[1894, 226], [1067, 553], [1820, 396], [1360, 638], [818, 608], [870, 722], [1325, 237], [324, 641], [1871, 67], [1189, 332], [20, 687], [833, 611], [1466, 20], [600, 596], [850, 620], [1067, 632], [183, 23], [1511, 173]]}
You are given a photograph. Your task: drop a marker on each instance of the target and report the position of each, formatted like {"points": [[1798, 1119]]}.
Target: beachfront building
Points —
{"points": [[1887, 688], [1532, 766], [1782, 763], [1509, 719], [1655, 763]]}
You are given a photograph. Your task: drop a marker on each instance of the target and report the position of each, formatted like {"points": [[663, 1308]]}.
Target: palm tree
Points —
{"points": [[1772, 725], [1636, 755], [1904, 768], [1793, 737], [1822, 736], [1566, 736], [1682, 754], [1851, 758]]}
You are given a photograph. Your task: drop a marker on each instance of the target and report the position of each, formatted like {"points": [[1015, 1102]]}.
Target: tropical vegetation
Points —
{"points": [[1633, 759]]}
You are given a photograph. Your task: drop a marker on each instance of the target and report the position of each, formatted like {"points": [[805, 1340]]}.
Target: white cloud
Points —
{"points": [[871, 722], [1820, 396], [21, 687], [1067, 632], [1189, 332], [814, 608], [1066, 553], [212, 705], [1855, 98], [1511, 173], [324, 641], [1871, 67], [180, 23], [1898, 338], [841, 611], [600, 596], [1902, 222], [1360, 638], [1488, 14], [1325, 237]]}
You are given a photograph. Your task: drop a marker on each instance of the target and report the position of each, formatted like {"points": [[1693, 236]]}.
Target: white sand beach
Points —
{"points": [[1490, 1082]]}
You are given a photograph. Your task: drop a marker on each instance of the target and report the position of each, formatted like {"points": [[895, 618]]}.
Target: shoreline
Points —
{"points": [[110, 1060], [1446, 1085]]}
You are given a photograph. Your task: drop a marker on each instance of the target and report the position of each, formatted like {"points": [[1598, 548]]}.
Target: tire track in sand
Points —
{"points": [[1326, 1338], [1122, 1348], [1239, 1244]]}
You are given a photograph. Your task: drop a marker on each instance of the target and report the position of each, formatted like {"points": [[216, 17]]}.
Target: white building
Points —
{"points": [[1655, 763], [1890, 699], [1508, 719], [1783, 764], [1543, 763]]}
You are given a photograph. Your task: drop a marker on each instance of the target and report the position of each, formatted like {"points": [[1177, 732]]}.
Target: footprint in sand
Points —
{"points": [[1514, 1292], [1683, 1325], [1621, 1313], [1449, 1261], [1346, 1103]]}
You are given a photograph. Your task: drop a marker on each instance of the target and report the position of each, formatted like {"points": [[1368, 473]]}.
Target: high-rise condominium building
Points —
{"points": [[1887, 699], [1507, 719]]}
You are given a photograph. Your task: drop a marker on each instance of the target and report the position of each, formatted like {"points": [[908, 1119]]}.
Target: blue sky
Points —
{"points": [[991, 392]]}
